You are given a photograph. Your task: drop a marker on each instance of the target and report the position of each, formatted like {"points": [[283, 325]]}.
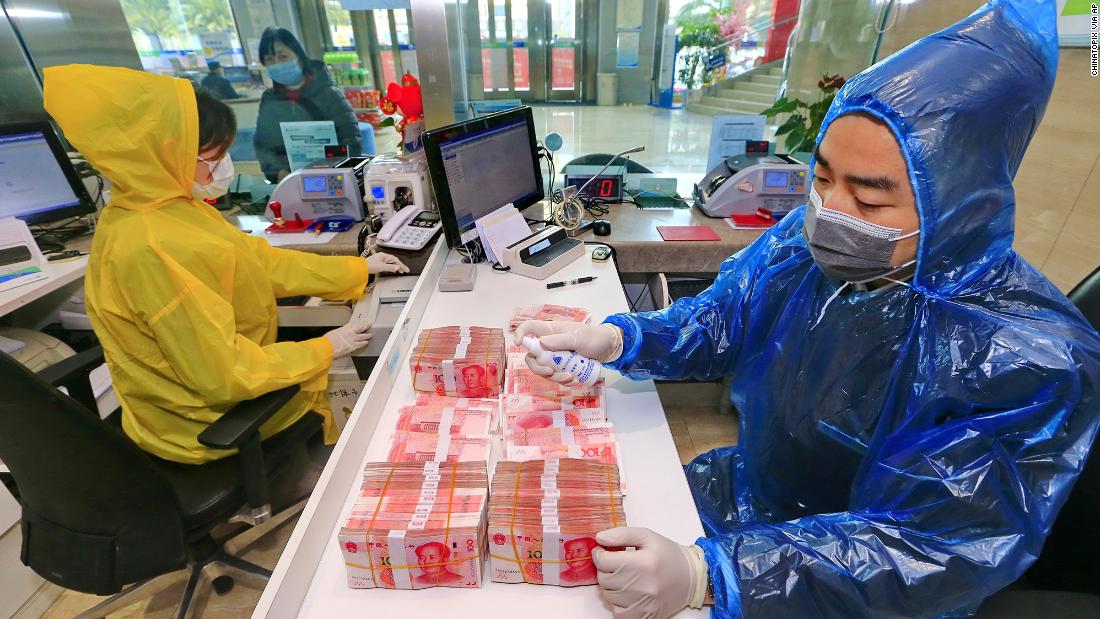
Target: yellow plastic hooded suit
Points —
{"points": [[183, 302]]}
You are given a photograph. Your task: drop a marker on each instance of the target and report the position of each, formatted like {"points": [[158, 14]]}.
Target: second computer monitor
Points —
{"points": [[481, 165]]}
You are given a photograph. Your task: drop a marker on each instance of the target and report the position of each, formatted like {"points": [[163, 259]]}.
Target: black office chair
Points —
{"points": [[599, 159], [100, 514], [1065, 580]]}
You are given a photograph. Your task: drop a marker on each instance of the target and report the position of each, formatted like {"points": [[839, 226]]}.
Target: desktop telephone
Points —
{"points": [[411, 229]]}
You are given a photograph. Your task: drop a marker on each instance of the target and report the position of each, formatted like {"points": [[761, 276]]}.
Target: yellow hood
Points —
{"points": [[141, 130]]}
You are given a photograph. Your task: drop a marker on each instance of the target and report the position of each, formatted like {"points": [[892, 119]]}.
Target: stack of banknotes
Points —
{"points": [[548, 312], [543, 420], [544, 516], [414, 526], [443, 429], [465, 362]]}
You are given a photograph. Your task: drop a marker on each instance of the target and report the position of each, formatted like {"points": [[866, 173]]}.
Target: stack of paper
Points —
{"points": [[499, 229]]}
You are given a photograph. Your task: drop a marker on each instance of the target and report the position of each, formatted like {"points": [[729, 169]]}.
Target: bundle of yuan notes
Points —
{"points": [[443, 429], [415, 526], [544, 420], [544, 516], [531, 401], [465, 362], [548, 312]]}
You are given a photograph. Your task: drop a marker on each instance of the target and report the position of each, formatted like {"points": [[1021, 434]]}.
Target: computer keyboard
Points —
{"points": [[292, 301]]}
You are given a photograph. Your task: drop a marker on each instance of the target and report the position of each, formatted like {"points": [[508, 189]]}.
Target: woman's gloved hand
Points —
{"points": [[655, 581], [604, 343], [349, 338], [385, 263]]}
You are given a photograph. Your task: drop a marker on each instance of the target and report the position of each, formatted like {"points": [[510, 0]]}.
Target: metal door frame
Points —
{"points": [[539, 54], [579, 41]]}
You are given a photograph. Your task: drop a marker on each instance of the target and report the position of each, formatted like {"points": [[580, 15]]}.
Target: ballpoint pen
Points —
{"points": [[579, 280]]}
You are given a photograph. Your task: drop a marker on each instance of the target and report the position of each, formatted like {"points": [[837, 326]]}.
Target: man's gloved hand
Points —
{"points": [[655, 581], [349, 338], [385, 263], [604, 343]]}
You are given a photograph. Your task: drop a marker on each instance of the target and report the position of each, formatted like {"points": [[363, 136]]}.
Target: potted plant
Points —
{"points": [[804, 122]]}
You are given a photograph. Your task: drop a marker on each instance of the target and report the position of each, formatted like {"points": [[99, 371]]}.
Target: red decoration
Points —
{"points": [[405, 98]]}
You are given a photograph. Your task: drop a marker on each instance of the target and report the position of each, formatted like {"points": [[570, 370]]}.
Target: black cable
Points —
{"points": [[99, 190], [544, 152], [52, 239], [472, 251], [497, 267], [638, 299]]}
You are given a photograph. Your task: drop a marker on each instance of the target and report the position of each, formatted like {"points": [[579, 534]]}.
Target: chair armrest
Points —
{"points": [[241, 422], [239, 428], [72, 374]]}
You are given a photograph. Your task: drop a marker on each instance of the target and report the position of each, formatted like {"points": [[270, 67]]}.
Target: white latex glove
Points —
{"points": [[349, 338], [603, 342], [385, 263], [655, 581]]}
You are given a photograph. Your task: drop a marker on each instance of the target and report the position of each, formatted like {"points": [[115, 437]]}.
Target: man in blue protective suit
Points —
{"points": [[916, 400]]}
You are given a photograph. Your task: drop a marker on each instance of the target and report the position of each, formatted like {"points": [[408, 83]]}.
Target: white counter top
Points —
{"points": [[309, 580]]}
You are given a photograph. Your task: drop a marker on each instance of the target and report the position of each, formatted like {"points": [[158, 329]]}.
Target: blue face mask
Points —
{"points": [[287, 73]]}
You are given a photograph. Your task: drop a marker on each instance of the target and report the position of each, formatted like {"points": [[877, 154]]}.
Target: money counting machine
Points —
{"points": [[745, 183], [349, 187]]}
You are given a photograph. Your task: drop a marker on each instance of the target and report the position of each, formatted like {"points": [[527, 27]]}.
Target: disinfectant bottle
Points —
{"points": [[585, 370]]}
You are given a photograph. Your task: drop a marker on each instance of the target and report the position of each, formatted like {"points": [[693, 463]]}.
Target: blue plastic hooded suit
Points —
{"points": [[907, 455]]}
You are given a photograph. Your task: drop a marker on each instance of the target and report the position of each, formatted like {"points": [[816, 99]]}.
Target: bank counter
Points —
{"points": [[310, 578]]}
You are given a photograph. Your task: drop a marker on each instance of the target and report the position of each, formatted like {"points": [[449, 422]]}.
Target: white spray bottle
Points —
{"points": [[586, 371]]}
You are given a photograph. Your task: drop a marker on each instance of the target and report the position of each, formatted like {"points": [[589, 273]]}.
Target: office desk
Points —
{"points": [[310, 580]]}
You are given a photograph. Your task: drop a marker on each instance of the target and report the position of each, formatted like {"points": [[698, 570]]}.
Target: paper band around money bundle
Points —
{"points": [[450, 381]]}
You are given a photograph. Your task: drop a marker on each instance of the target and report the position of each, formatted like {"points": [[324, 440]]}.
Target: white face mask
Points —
{"points": [[223, 173]]}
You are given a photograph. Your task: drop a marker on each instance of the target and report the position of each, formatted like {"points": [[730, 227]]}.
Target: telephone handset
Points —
{"points": [[411, 228], [396, 222]]}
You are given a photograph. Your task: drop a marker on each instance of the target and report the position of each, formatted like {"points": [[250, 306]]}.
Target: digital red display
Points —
{"points": [[606, 187]]}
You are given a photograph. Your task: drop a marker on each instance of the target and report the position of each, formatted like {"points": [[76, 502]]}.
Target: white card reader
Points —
{"points": [[543, 253]]}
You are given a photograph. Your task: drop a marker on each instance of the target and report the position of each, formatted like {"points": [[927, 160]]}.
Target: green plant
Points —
{"points": [[700, 23], [152, 17], [695, 40], [804, 122], [207, 16]]}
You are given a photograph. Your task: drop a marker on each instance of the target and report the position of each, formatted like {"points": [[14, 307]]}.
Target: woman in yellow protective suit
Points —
{"points": [[182, 301]]}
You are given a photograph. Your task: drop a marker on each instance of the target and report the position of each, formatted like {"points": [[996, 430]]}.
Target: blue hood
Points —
{"points": [[963, 132]]}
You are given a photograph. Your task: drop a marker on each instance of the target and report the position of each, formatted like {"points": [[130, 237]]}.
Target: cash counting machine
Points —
{"points": [[744, 183], [348, 187], [322, 189]]}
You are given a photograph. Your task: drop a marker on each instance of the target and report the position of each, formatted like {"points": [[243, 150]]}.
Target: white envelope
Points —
{"points": [[499, 229]]}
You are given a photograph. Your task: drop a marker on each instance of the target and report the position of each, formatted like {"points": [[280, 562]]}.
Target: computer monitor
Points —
{"points": [[38, 183], [480, 165]]}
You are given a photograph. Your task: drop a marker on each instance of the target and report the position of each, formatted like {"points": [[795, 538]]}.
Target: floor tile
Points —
{"points": [[682, 438]]}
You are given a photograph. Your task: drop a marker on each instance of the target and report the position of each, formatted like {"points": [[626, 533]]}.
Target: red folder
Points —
{"points": [[688, 233], [752, 221]]}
